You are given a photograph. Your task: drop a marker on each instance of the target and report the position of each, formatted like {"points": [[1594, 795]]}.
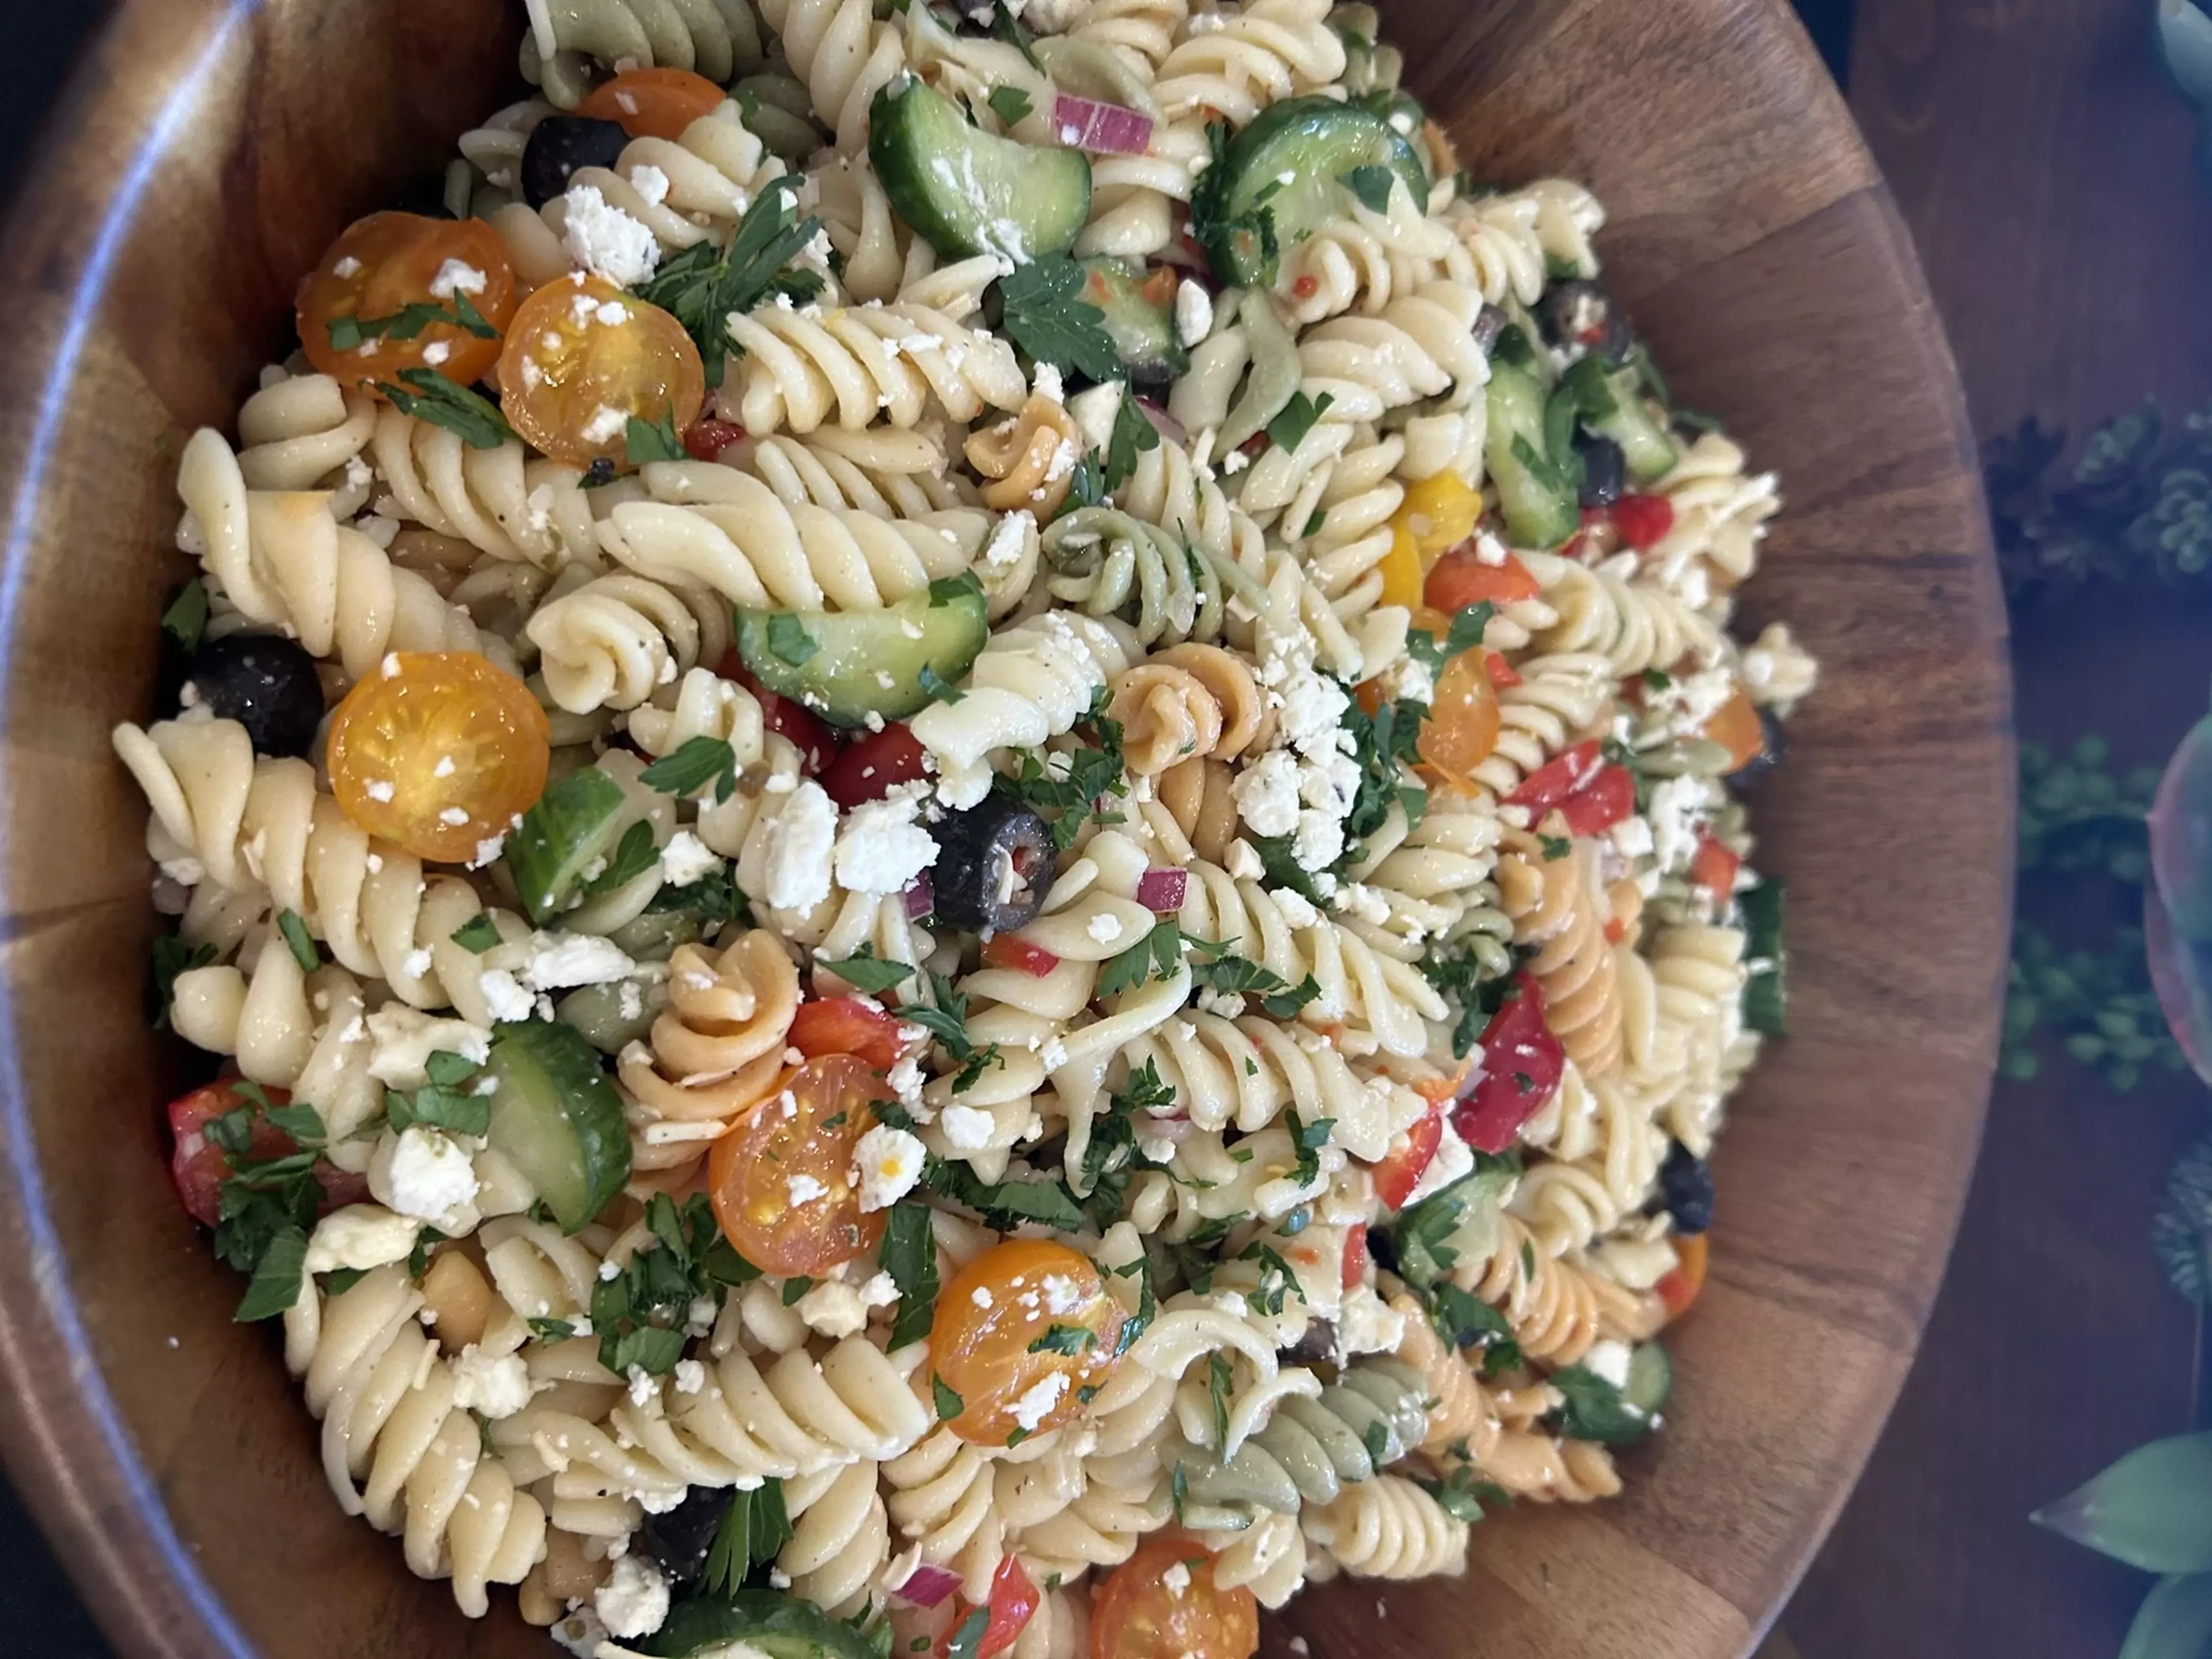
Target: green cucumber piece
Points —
{"points": [[845, 665], [1593, 1409], [1281, 179], [781, 1626], [1614, 406], [1766, 991], [1650, 1379], [1536, 491], [1432, 1235], [556, 1118], [572, 825], [1397, 102], [967, 192], [1142, 333]]}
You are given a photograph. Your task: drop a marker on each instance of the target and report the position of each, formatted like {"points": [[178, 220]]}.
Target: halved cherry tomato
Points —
{"points": [[1460, 578], [705, 438], [199, 1168], [1714, 867], [783, 1180], [582, 357], [847, 1025], [1411, 1152], [438, 750], [1642, 520], [1606, 800], [387, 262], [1355, 1257], [1522, 1063], [807, 732], [653, 103], [1021, 1333], [871, 767], [1462, 727], [1550, 784], [1501, 672], [1013, 1603], [1005, 950], [1735, 726], [1679, 1288], [1139, 1614]]}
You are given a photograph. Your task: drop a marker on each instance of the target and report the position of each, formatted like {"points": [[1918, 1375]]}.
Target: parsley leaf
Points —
{"points": [[1216, 1396], [653, 440], [704, 286], [1161, 950], [968, 1640], [753, 1529], [1460, 1496], [1276, 1279], [949, 1404], [694, 763], [1009, 104], [936, 687], [1372, 184], [713, 897], [1306, 1141], [185, 619], [1004, 1204], [409, 321], [1465, 633], [1044, 314], [1231, 976], [1286, 1005], [639, 1315], [908, 1255], [1376, 1437], [1133, 435], [430, 396], [479, 933], [1384, 743], [1281, 867], [552, 1330], [788, 638], [870, 974], [635, 856], [1556, 846], [1064, 1339], [1136, 1324], [276, 1276], [1289, 427], [171, 959], [1070, 782], [1249, 237]]}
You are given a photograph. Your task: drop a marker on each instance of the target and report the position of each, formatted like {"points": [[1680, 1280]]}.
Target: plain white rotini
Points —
{"points": [[894, 363], [1388, 1527]]}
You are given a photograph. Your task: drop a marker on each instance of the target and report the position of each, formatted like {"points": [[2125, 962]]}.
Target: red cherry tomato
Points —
{"points": [[807, 732], [1522, 1063], [1355, 1257], [199, 1168], [869, 768], [1410, 1155], [653, 103], [1013, 1603], [1460, 578], [1714, 868], [1642, 520], [1606, 800], [1679, 1288], [1139, 1615], [705, 438], [1501, 672], [1005, 950], [846, 1025]]}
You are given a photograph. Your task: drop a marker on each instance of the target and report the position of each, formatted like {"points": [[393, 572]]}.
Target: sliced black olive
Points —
{"points": [[1774, 743], [1581, 313], [1605, 469], [1316, 1344], [681, 1539], [1686, 1187], [1489, 324], [1383, 1249], [267, 685], [994, 863], [560, 144]]}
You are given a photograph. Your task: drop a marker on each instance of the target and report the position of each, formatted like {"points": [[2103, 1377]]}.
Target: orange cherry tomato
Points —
{"points": [[582, 357], [1679, 1288], [653, 103], [783, 1181], [1139, 1615], [1714, 867], [846, 1025], [1022, 1333], [1736, 727], [1005, 950], [1461, 728], [438, 751], [387, 262], [1407, 1160], [1460, 578]]}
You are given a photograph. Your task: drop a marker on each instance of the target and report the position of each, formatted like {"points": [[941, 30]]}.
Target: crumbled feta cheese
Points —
{"points": [[800, 838], [880, 847], [1030, 1409], [686, 859], [1453, 1159], [690, 1376], [1060, 1294], [1176, 1580], [966, 1127], [650, 182], [559, 960], [1243, 860], [1047, 383], [1226, 1004], [456, 275], [607, 423], [360, 1237], [346, 267], [634, 1601], [906, 1081], [1053, 1054], [436, 352], [1004, 549], [508, 1002], [404, 1039], [1298, 913], [1409, 679], [1631, 838], [377, 789], [1367, 1324], [492, 1387], [833, 1309], [1266, 794], [1105, 927], [455, 816], [891, 1163], [606, 242], [804, 1189], [1194, 312], [423, 1172], [980, 1297], [1608, 1359], [1676, 813]]}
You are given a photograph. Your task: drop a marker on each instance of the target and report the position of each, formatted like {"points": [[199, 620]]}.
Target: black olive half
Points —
{"points": [[680, 1538], [1605, 469], [1315, 1345], [1581, 313], [560, 144], [267, 685], [1773, 745], [994, 863], [1686, 1187]]}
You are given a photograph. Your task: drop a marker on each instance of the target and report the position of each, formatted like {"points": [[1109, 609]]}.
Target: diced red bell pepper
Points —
{"points": [[1714, 867], [807, 732], [1522, 1063], [1355, 1257], [1007, 950], [199, 1168], [1643, 521], [705, 438], [1400, 1169]]}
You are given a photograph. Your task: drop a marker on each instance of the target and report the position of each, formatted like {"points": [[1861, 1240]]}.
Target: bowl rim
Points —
{"points": [[66, 1446]]}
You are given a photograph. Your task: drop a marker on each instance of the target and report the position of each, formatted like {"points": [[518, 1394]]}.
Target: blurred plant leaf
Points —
{"points": [[2152, 1510]]}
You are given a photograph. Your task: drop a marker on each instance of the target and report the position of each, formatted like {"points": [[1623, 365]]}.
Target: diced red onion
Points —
{"points": [[1162, 891], [1168, 1128], [1103, 129], [921, 898], [1162, 423], [927, 1586]]}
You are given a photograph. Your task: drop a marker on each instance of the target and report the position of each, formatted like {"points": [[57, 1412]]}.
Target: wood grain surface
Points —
{"points": [[1768, 268], [2043, 165]]}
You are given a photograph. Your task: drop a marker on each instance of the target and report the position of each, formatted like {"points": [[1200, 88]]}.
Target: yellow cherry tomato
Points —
{"points": [[1021, 1332], [784, 1181], [1461, 728], [437, 750], [582, 357]]}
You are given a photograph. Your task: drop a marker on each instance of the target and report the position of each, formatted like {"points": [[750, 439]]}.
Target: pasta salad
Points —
{"points": [[957, 793]]}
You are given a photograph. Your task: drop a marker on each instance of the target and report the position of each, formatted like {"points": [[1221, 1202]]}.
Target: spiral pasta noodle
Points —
{"points": [[1389, 1527], [1554, 906], [894, 362], [567, 37], [716, 1051]]}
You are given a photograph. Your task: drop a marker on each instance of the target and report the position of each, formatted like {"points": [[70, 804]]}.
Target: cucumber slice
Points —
{"points": [[1650, 1379], [1593, 1409], [844, 665], [1612, 405], [1143, 332], [967, 192], [1537, 493], [1281, 179], [572, 825], [781, 1626], [557, 1119], [1398, 106], [1766, 992], [1432, 1235]]}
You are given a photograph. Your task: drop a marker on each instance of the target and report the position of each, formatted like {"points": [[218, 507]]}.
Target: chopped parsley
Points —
{"points": [[908, 1255], [430, 396], [185, 619], [693, 765], [703, 286], [1044, 313]]}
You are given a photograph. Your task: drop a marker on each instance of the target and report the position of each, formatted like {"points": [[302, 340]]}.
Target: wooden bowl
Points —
{"points": [[205, 154]]}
